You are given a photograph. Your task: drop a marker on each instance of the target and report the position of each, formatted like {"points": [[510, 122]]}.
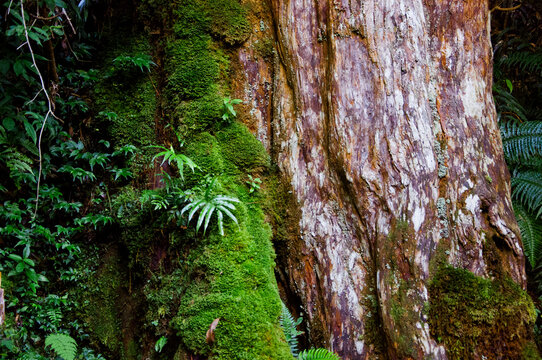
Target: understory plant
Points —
{"points": [[289, 325]]}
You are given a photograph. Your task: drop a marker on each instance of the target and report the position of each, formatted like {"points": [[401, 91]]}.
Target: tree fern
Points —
{"points": [[318, 354], [531, 233], [289, 326], [527, 189], [521, 141], [64, 345]]}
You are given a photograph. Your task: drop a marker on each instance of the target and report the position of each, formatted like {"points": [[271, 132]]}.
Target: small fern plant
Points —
{"points": [[63, 345], [208, 204], [180, 160], [289, 326]]}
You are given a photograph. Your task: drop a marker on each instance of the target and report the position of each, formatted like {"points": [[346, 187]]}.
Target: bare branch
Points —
{"points": [[49, 105]]}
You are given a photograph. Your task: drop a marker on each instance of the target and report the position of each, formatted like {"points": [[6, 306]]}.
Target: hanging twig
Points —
{"points": [[49, 105]]}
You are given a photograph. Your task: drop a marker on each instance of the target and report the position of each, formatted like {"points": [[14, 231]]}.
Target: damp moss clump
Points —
{"points": [[474, 316], [125, 99], [242, 149], [232, 278], [98, 297]]}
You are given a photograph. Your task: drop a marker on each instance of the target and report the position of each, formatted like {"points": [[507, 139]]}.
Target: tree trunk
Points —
{"points": [[380, 117]]}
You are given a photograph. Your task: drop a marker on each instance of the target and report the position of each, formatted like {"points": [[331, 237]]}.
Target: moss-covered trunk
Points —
{"points": [[382, 171]]}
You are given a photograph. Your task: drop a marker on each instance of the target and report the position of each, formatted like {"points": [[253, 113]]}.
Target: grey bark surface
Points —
{"points": [[380, 116]]}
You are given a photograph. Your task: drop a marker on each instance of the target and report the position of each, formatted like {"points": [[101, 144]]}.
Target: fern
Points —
{"points": [[318, 354], [521, 141], [527, 189], [289, 326], [527, 61], [64, 345], [531, 233], [180, 160], [207, 205]]}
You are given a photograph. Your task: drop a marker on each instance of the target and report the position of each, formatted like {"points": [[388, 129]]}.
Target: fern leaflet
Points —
{"points": [[64, 345], [521, 140], [527, 61], [531, 234], [527, 189], [289, 326], [318, 354]]}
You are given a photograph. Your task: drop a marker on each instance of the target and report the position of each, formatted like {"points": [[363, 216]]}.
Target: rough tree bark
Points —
{"points": [[380, 116]]}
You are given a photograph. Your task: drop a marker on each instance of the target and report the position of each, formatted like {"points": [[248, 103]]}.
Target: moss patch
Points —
{"points": [[242, 149], [474, 316], [128, 93], [232, 278], [99, 303]]}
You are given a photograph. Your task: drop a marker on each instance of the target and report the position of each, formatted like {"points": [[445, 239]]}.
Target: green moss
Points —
{"points": [[128, 94], [199, 114], [474, 316], [265, 48], [239, 288], [99, 304], [191, 67], [242, 149], [228, 20], [224, 19]]}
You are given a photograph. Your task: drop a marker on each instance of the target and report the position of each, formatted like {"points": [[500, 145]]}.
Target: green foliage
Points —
{"points": [[180, 160], [318, 354], [228, 112], [517, 79], [289, 325], [209, 203], [253, 183], [531, 233], [160, 343], [527, 187], [521, 141], [64, 345], [142, 61], [526, 60]]}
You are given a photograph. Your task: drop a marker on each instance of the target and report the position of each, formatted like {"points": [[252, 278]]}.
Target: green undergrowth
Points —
{"points": [[473, 316]]}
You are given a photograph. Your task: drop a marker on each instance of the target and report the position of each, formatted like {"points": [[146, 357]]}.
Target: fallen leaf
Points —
{"points": [[210, 337]]}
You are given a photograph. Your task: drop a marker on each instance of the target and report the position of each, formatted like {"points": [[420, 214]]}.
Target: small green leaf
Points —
{"points": [[15, 257], [510, 85], [20, 267]]}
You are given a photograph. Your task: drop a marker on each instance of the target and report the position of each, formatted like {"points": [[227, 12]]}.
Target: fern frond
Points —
{"points": [[289, 326], [527, 61], [521, 141], [208, 204], [531, 234], [318, 354], [527, 189], [64, 345]]}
